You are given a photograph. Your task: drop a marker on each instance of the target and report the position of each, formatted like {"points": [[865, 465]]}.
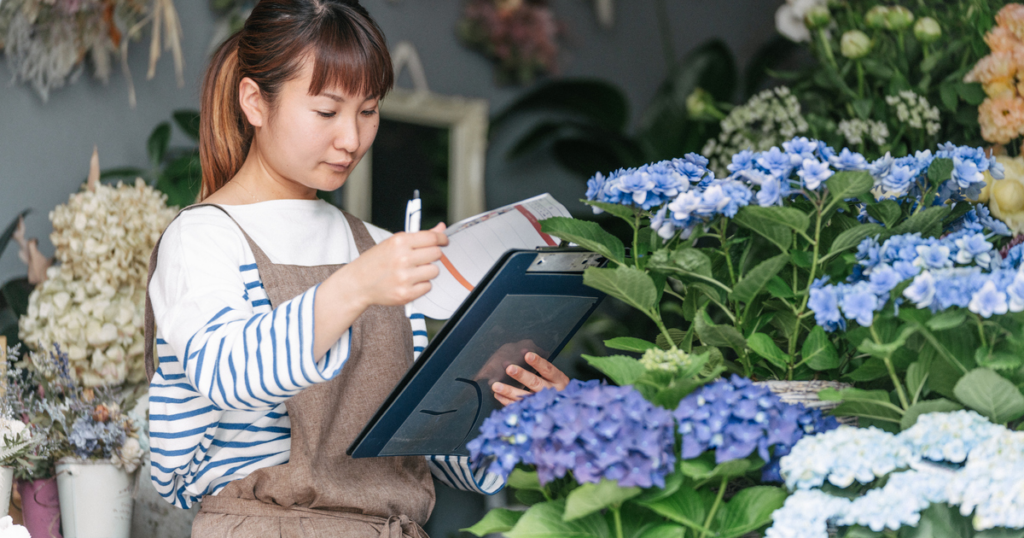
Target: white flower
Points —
{"points": [[766, 120], [9, 530], [789, 19], [915, 111], [11, 429], [855, 130], [129, 457]]}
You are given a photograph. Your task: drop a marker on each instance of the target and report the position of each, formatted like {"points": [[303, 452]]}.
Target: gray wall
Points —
{"points": [[45, 147]]}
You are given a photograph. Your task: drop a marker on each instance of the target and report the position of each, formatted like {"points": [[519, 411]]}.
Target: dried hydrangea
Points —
{"points": [[92, 303], [766, 120]]}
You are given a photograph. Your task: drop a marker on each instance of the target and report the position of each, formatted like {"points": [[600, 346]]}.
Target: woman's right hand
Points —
{"points": [[399, 269]]}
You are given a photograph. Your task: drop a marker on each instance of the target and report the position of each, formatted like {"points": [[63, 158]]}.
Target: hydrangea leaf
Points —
{"points": [[749, 510], [586, 234], [703, 467], [688, 263], [849, 184], [672, 484], [544, 520], [529, 497], [622, 370], [590, 498], [627, 284], [941, 405], [818, 353], [497, 520], [998, 360], [665, 530], [790, 217], [871, 370], [940, 170], [520, 479], [887, 211], [873, 404], [927, 222], [950, 319], [917, 374], [684, 506], [780, 235], [851, 238], [990, 394], [678, 338], [778, 288], [757, 278], [763, 345], [626, 213], [718, 335], [941, 521], [628, 343]]}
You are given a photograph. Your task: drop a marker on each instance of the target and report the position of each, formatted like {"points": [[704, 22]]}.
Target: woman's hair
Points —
{"points": [[348, 52]]}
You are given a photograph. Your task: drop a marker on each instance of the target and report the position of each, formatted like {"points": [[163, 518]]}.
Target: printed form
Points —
{"points": [[475, 244]]}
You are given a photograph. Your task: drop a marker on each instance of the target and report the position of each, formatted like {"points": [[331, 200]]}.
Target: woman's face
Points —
{"points": [[314, 141]]}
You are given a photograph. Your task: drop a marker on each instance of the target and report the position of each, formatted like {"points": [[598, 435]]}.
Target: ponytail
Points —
{"points": [[224, 133]]}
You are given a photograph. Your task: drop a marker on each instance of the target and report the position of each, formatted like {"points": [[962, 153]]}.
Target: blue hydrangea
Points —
{"points": [[775, 162], [991, 483], [806, 514], [813, 172], [734, 417], [824, 302], [848, 160], [595, 431], [800, 149], [843, 456], [87, 436], [949, 436], [899, 502]]}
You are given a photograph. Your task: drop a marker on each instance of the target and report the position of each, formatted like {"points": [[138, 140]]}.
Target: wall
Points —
{"points": [[45, 147]]}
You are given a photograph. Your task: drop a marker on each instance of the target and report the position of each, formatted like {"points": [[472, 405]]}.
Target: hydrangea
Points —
{"points": [[89, 435], [991, 484], [94, 301], [899, 502], [596, 431], [856, 131], [671, 361], [843, 456], [806, 514], [915, 111], [735, 417], [949, 436]]}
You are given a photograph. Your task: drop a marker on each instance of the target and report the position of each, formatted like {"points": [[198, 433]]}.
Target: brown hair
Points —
{"points": [[348, 51]]}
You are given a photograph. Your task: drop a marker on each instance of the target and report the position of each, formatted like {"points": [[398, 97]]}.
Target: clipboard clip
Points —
{"points": [[565, 262]]}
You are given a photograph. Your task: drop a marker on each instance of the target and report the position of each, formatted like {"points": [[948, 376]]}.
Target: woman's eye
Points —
{"points": [[325, 114], [370, 112]]}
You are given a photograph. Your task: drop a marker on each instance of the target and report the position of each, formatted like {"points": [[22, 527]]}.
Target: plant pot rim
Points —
{"points": [[72, 460]]}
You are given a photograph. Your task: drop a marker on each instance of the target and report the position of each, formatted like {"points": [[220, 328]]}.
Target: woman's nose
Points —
{"points": [[347, 136]]}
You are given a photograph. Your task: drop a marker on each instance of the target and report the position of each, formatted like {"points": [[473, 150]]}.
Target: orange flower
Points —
{"points": [[996, 73], [1002, 39], [1011, 17], [1001, 119]]}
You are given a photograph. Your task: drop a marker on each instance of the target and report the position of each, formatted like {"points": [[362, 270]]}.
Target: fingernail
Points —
{"points": [[531, 357], [513, 370]]}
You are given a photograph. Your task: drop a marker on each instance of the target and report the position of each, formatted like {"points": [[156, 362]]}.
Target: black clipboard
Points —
{"points": [[530, 300]]}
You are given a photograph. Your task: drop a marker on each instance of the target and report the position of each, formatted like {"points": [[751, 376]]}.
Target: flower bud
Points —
{"points": [[875, 17], [700, 104], [855, 44], [927, 30], [899, 18], [818, 17]]}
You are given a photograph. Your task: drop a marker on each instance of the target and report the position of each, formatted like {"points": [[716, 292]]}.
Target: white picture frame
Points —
{"points": [[467, 121]]}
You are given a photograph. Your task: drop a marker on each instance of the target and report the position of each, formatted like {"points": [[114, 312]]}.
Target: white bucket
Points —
{"points": [[6, 485], [95, 499]]}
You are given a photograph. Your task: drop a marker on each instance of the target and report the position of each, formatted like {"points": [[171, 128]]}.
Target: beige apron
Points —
{"points": [[321, 492]]}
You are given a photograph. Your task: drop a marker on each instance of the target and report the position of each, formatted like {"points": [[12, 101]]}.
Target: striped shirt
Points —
{"points": [[228, 362]]}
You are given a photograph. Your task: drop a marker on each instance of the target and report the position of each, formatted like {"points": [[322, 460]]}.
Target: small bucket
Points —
{"points": [[95, 499], [40, 507], [6, 486]]}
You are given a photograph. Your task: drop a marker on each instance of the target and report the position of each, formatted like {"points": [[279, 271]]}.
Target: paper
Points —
{"points": [[476, 243]]}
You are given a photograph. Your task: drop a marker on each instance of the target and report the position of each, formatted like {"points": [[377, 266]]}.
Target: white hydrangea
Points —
{"points": [[855, 131], [766, 120], [670, 361], [9, 530], [93, 303], [991, 484], [915, 111], [842, 456], [129, 457]]}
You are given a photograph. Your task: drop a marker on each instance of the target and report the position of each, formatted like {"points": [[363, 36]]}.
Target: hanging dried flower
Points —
{"points": [[521, 36]]}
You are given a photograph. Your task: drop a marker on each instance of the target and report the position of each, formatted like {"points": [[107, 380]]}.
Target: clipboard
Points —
{"points": [[530, 300]]}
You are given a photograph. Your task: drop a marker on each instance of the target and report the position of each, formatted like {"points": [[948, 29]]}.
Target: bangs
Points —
{"points": [[351, 56]]}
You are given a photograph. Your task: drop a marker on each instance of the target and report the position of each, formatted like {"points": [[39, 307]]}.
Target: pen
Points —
{"points": [[412, 213]]}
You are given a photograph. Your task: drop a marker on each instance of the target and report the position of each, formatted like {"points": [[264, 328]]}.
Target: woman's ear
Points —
{"points": [[250, 98]]}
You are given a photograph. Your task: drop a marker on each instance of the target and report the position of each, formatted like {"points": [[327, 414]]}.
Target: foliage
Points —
{"points": [[867, 481], [13, 293]]}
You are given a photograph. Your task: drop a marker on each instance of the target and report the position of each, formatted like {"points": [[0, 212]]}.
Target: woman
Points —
{"points": [[283, 322]]}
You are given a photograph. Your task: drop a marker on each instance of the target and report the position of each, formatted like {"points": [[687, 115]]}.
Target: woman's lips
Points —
{"points": [[339, 167]]}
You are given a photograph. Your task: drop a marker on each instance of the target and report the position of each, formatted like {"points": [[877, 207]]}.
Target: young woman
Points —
{"points": [[282, 322]]}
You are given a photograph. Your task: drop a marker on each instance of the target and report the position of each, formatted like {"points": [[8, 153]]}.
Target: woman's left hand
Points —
{"points": [[550, 377]]}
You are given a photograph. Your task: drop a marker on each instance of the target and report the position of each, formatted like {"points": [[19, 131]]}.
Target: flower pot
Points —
{"points": [[6, 485], [95, 499], [40, 507], [806, 392]]}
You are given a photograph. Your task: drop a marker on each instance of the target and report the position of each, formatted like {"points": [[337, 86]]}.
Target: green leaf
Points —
{"points": [[947, 92], [802, 258], [888, 212], [16, 292], [778, 288], [972, 92], [940, 170], [951, 319], [620, 369], [871, 370], [8, 232], [544, 520], [852, 237], [917, 374], [757, 278], [990, 394], [684, 506], [677, 335], [749, 510], [778, 234], [156, 146], [686, 262], [665, 530], [863, 108], [496, 521], [718, 335], [529, 497], [590, 498], [703, 467], [941, 521], [928, 406], [1001, 533], [849, 184], [520, 479], [586, 234], [789, 217], [188, 121], [923, 222], [873, 404], [763, 345], [627, 284], [628, 343], [626, 213], [818, 353]]}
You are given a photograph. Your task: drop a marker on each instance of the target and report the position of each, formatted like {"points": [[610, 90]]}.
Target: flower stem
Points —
{"points": [[714, 507], [827, 47], [892, 371], [618, 521], [860, 79], [636, 240]]}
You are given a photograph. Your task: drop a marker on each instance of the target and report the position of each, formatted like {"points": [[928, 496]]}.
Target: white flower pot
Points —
{"points": [[95, 499], [6, 484]]}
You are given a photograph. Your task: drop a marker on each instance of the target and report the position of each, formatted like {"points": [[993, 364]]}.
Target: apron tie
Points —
{"points": [[399, 526]]}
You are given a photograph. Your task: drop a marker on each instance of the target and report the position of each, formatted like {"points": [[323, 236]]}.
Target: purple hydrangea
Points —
{"points": [[594, 430], [735, 417]]}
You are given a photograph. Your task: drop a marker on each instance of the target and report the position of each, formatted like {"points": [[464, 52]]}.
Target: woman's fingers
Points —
{"points": [[529, 380], [506, 394], [547, 370]]}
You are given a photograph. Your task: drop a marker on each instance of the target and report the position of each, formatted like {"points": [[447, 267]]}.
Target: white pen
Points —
{"points": [[412, 213]]}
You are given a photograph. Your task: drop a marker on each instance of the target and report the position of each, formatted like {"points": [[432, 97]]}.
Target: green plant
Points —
{"points": [[13, 293]]}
